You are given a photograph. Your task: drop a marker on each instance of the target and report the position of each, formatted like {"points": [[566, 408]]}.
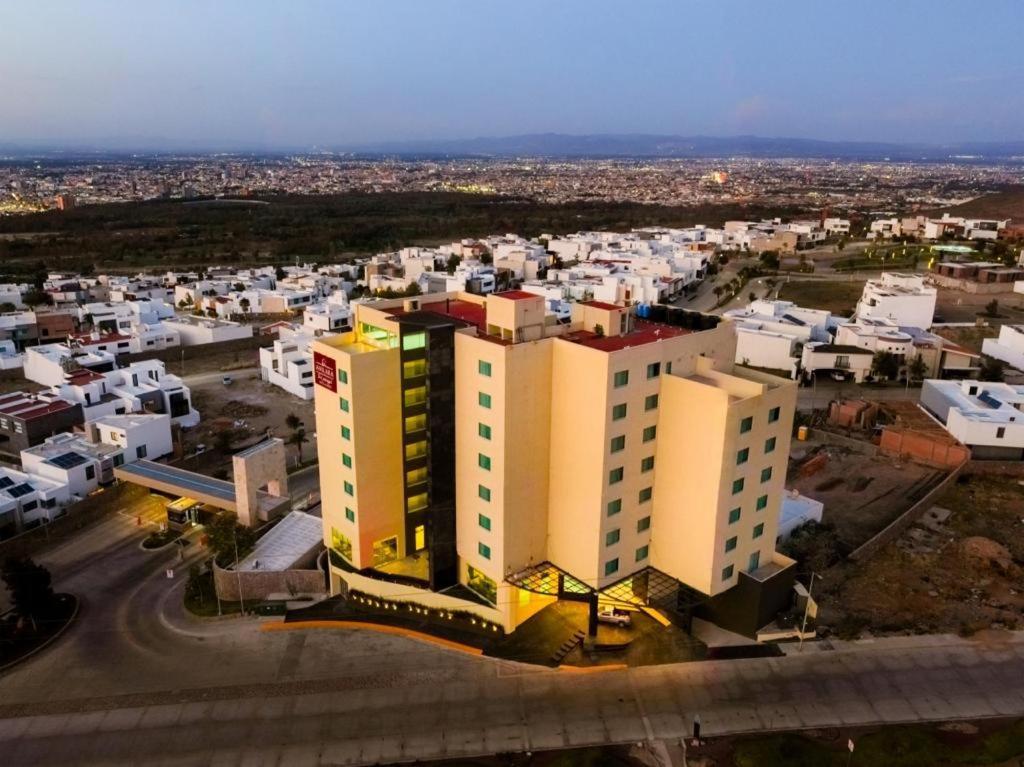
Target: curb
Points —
{"points": [[60, 632], [381, 628]]}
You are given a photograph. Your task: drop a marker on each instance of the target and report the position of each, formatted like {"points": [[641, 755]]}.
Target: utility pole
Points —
{"points": [[807, 607], [238, 574]]}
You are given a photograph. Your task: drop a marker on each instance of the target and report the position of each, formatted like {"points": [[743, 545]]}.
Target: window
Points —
{"points": [[650, 433], [484, 400], [414, 340], [737, 486], [618, 412], [484, 549], [773, 414], [730, 544], [118, 459], [611, 566], [415, 450], [483, 368], [414, 423], [766, 474], [759, 530], [483, 461], [140, 451], [618, 443], [416, 476], [614, 507], [344, 404], [414, 368], [350, 489], [483, 521], [754, 562], [343, 376], [734, 516], [614, 476], [341, 544], [742, 456], [621, 378], [90, 472], [611, 538], [650, 401], [769, 445], [483, 430], [414, 396], [668, 368], [746, 425], [654, 370], [483, 492], [645, 495], [350, 515], [346, 433], [346, 460], [1000, 432], [482, 585], [762, 502], [646, 464], [727, 572], [641, 553]]}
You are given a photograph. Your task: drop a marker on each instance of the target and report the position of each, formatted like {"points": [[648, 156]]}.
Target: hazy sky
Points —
{"points": [[298, 73]]}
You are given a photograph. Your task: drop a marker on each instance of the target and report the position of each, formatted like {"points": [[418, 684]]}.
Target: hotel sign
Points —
{"points": [[325, 371]]}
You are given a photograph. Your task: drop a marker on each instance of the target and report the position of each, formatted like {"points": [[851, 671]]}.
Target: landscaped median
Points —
{"points": [[22, 637]]}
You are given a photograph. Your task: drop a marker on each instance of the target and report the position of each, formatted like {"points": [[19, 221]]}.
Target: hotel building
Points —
{"points": [[476, 444]]}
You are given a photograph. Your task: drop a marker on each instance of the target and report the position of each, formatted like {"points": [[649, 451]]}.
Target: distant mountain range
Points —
{"points": [[555, 145], [647, 145]]}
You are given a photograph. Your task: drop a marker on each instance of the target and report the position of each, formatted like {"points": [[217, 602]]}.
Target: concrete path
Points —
{"points": [[489, 706]]}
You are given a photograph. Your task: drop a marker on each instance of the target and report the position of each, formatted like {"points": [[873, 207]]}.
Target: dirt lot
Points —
{"points": [[969, 338], [964, 573], [246, 408], [862, 493], [960, 306], [837, 297]]}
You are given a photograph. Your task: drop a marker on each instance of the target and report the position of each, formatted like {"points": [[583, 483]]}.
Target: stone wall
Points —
{"points": [[257, 585]]}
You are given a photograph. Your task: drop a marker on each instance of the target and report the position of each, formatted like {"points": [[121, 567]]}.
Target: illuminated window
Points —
{"points": [[385, 551], [414, 368], [483, 461], [650, 401], [484, 368], [484, 400], [615, 476], [415, 450], [483, 430], [746, 425], [730, 544], [769, 445], [645, 495], [618, 443], [416, 503], [621, 378], [484, 521], [611, 566], [415, 423], [650, 433], [482, 585], [483, 492], [341, 543], [414, 396], [644, 523], [611, 538], [618, 412], [642, 552], [414, 341], [415, 477], [734, 516], [742, 456], [654, 370]]}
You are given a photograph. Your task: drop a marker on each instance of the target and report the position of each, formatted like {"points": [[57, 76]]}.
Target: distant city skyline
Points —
{"points": [[257, 75]]}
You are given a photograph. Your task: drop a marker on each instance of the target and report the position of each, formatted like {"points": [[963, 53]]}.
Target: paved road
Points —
{"points": [[818, 396], [216, 375]]}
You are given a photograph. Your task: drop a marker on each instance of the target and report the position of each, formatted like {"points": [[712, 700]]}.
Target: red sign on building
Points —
{"points": [[325, 371]]}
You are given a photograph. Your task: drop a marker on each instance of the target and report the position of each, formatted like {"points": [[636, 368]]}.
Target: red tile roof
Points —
{"points": [[602, 305], [516, 295], [642, 333]]}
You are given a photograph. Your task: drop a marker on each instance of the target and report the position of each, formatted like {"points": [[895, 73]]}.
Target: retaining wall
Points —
{"points": [[256, 585]]}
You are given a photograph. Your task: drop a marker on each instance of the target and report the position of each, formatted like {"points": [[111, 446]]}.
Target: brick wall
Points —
{"points": [[258, 585], [931, 449]]}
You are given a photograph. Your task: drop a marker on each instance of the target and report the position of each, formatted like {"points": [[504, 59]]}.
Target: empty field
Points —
{"points": [[837, 297]]}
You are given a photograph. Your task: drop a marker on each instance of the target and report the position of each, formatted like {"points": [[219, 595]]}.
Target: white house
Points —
{"points": [[74, 461], [1009, 347], [985, 416], [53, 364], [139, 435], [28, 500], [329, 316], [797, 510], [902, 298], [840, 360], [289, 362], [771, 334], [193, 331]]}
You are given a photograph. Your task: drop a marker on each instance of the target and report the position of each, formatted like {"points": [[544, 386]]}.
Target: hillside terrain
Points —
{"points": [[1008, 203]]}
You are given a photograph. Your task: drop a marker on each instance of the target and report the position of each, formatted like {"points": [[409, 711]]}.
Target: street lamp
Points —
{"points": [[807, 607], [238, 573]]}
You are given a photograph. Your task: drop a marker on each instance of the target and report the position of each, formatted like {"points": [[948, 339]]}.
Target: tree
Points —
{"points": [[298, 438], [413, 289], [486, 258], [7, 306], [992, 308], [292, 421], [239, 286], [841, 245], [30, 588], [244, 303], [991, 369], [752, 296], [769, 259], [223, 533], [718, 290], [452, 263], [885, 365], [280, 273], [917, 369], [36, 297]]}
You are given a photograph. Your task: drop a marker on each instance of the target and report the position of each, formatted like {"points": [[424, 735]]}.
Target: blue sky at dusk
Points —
{"points": [[301, 73]]}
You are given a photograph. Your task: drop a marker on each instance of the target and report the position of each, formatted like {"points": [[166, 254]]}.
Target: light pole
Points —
{"points": [[807, 608], [238, 573]]}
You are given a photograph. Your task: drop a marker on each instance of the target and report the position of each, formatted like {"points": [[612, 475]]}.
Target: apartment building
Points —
{"points": [[472, 442]]}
